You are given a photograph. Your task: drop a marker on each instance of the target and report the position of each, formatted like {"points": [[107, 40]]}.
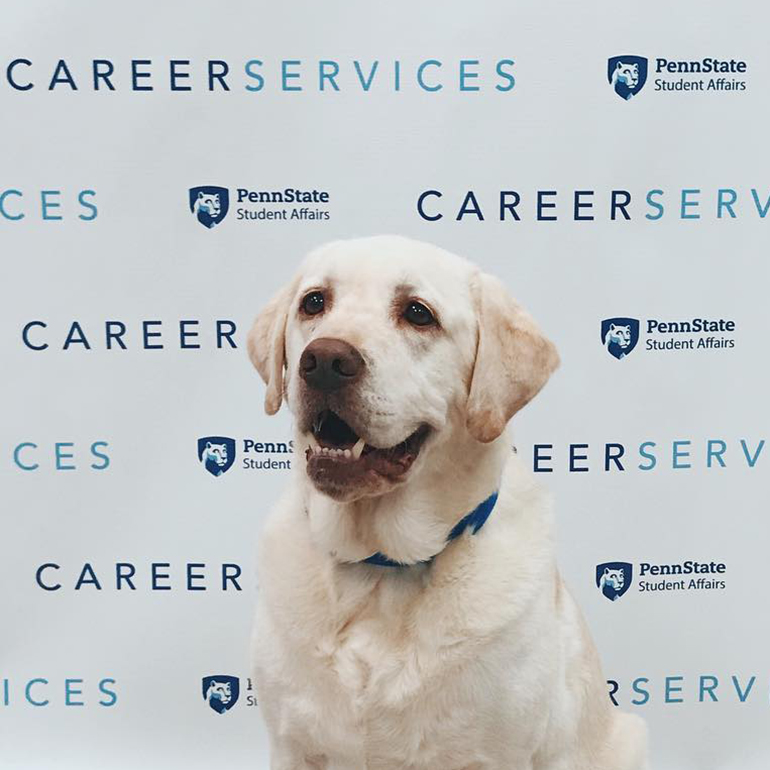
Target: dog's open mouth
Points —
{"points": [[339, 454]]}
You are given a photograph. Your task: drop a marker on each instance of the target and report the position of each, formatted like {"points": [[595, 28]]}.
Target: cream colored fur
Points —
{"points": [[480, 659]]}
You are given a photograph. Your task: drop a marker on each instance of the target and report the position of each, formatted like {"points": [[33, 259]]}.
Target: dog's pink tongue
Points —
{"points": [[388, 463]]}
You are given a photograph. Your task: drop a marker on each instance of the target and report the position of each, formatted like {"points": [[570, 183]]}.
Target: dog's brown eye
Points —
{"points": [[313, 303], [418, 315]]}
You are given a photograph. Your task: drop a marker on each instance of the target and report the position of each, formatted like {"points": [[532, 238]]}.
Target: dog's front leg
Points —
{"points": [[344, 765], [522, 764], [289, 755]]}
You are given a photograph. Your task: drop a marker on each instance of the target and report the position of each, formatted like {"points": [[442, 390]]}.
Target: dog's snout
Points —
{"points": [[329, 364]]}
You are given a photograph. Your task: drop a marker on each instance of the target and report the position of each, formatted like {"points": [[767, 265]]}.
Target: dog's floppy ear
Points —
{"points": [[513, 360], [267, 346]]}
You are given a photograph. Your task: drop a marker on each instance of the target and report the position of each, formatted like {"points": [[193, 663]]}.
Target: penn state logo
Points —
{"points": [[620, 335], [614, 578], [221, 692], [627, 75], [216, 454], [209, 204]]}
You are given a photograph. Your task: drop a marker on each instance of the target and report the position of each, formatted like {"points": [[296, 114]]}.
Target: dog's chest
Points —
{"points": [[376, 677], [372, 633]]}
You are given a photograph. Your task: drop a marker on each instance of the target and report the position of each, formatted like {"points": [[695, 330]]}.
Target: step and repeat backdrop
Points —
{"points": [[165, 167]]}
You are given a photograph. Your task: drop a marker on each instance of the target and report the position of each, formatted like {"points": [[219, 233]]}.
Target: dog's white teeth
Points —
{"points": [[333, 452], [357, 449], [313, 443]]}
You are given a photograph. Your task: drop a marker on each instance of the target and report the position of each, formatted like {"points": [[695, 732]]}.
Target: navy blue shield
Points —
{"points": [[209, 204], [620, 335], [627, 75], [613, 578], [216, 454], [221, 692]]}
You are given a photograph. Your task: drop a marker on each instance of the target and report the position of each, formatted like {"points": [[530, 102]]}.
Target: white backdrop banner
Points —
{"points": [[165, 166]]}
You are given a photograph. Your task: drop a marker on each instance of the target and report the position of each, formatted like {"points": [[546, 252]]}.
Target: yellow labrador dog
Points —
{"points": [[411, 612]]}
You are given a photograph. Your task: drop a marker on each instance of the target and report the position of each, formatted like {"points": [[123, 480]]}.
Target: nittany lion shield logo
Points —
{"points": [[620, 335], [216, 454], [221, 692], [614, 578], [627, 75], [209, 204]]}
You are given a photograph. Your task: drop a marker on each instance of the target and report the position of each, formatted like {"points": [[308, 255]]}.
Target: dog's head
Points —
{"points": [[384, 348]]}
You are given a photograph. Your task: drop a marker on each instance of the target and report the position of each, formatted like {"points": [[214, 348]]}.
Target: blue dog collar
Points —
{"points": [[474, 521]]}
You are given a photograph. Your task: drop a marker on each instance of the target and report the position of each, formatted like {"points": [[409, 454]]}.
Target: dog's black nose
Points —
{"points": [[328, 364]]}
